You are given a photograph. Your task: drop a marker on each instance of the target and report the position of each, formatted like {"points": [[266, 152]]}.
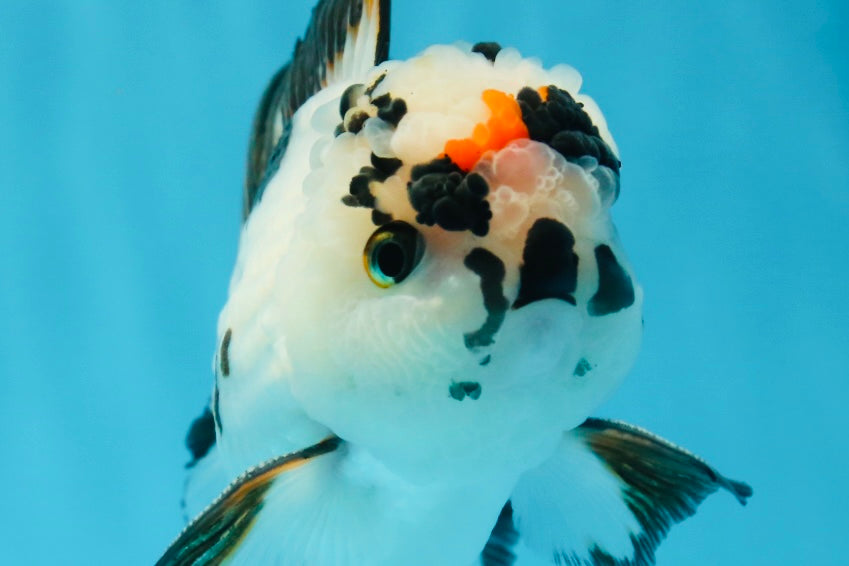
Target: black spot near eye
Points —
{"points": [[550, 265], [615, 289]]}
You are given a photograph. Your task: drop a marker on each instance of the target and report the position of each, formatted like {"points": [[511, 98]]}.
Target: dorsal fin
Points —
{"points": [[344, 39]]}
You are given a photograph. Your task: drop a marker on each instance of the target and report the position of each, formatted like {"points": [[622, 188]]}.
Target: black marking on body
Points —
{"points": [[561, 122], [224, 355], [582, 368], [461, 390], [615, 289], [490, 269], [550, 265], [201, 436], [443, 195], [503, 538], [488, 49], [486, 359]]}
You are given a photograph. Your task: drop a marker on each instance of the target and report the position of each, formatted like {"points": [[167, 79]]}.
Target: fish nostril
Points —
{"points": [[550, 265]]}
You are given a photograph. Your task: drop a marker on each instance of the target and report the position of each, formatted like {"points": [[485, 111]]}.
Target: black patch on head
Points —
{"points": [[360, 192], [561, 122], [380, 218], [224, 355], [382, 101], [442, 194], [355, 121], [550, 265], [393, 111], [490, 269], [371, 88], [349, 98], [582, 367], [387, 166], [504, 536], [488, 49], [201, 436], [615, 290], [463, 389]]}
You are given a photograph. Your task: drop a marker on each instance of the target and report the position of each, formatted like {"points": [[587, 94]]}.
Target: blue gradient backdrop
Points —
{"points": [[123, 128]]}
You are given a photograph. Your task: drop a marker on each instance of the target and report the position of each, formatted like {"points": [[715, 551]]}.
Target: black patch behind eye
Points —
{"points": [[224, 355], [488, 49], [615, 290], [491, 271], [550, 265]]}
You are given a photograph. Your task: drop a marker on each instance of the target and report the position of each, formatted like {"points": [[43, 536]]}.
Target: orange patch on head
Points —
{"points": [[503, 126]]}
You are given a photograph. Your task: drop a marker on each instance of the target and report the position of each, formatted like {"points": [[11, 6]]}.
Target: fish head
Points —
{"points": [[454, 284]]}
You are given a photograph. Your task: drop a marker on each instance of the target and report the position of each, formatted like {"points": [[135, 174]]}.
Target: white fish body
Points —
{"points": [[415, 337]]}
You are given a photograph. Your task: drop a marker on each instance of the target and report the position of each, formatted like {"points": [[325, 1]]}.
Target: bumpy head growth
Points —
{"points": [[455, 268]]}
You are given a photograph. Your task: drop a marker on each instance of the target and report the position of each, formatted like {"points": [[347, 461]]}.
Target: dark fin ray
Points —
{"points": [[219, 530], [609, 495], [648, 462], [663, 483], [317, 61], [499, 548]]}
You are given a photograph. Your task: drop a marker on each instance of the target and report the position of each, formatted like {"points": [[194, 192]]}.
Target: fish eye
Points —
{"points": [[392, 252]]}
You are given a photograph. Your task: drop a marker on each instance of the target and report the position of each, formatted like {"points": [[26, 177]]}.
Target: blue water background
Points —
{"points": [[123, 128]]}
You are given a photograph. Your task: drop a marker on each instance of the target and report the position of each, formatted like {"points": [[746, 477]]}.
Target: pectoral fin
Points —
{"points": [[608, 497], [213, 536]]}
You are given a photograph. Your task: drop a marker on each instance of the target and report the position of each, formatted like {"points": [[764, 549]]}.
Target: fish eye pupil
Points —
{"points": [[392, 252], [390, 259]]}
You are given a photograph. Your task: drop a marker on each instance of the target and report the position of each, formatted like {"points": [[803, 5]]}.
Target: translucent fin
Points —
{"points": [[608, 497], [219, 530], [345, 39]]}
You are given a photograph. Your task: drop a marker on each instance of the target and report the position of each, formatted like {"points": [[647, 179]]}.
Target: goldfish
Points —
{"points": [[429, 301]]}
